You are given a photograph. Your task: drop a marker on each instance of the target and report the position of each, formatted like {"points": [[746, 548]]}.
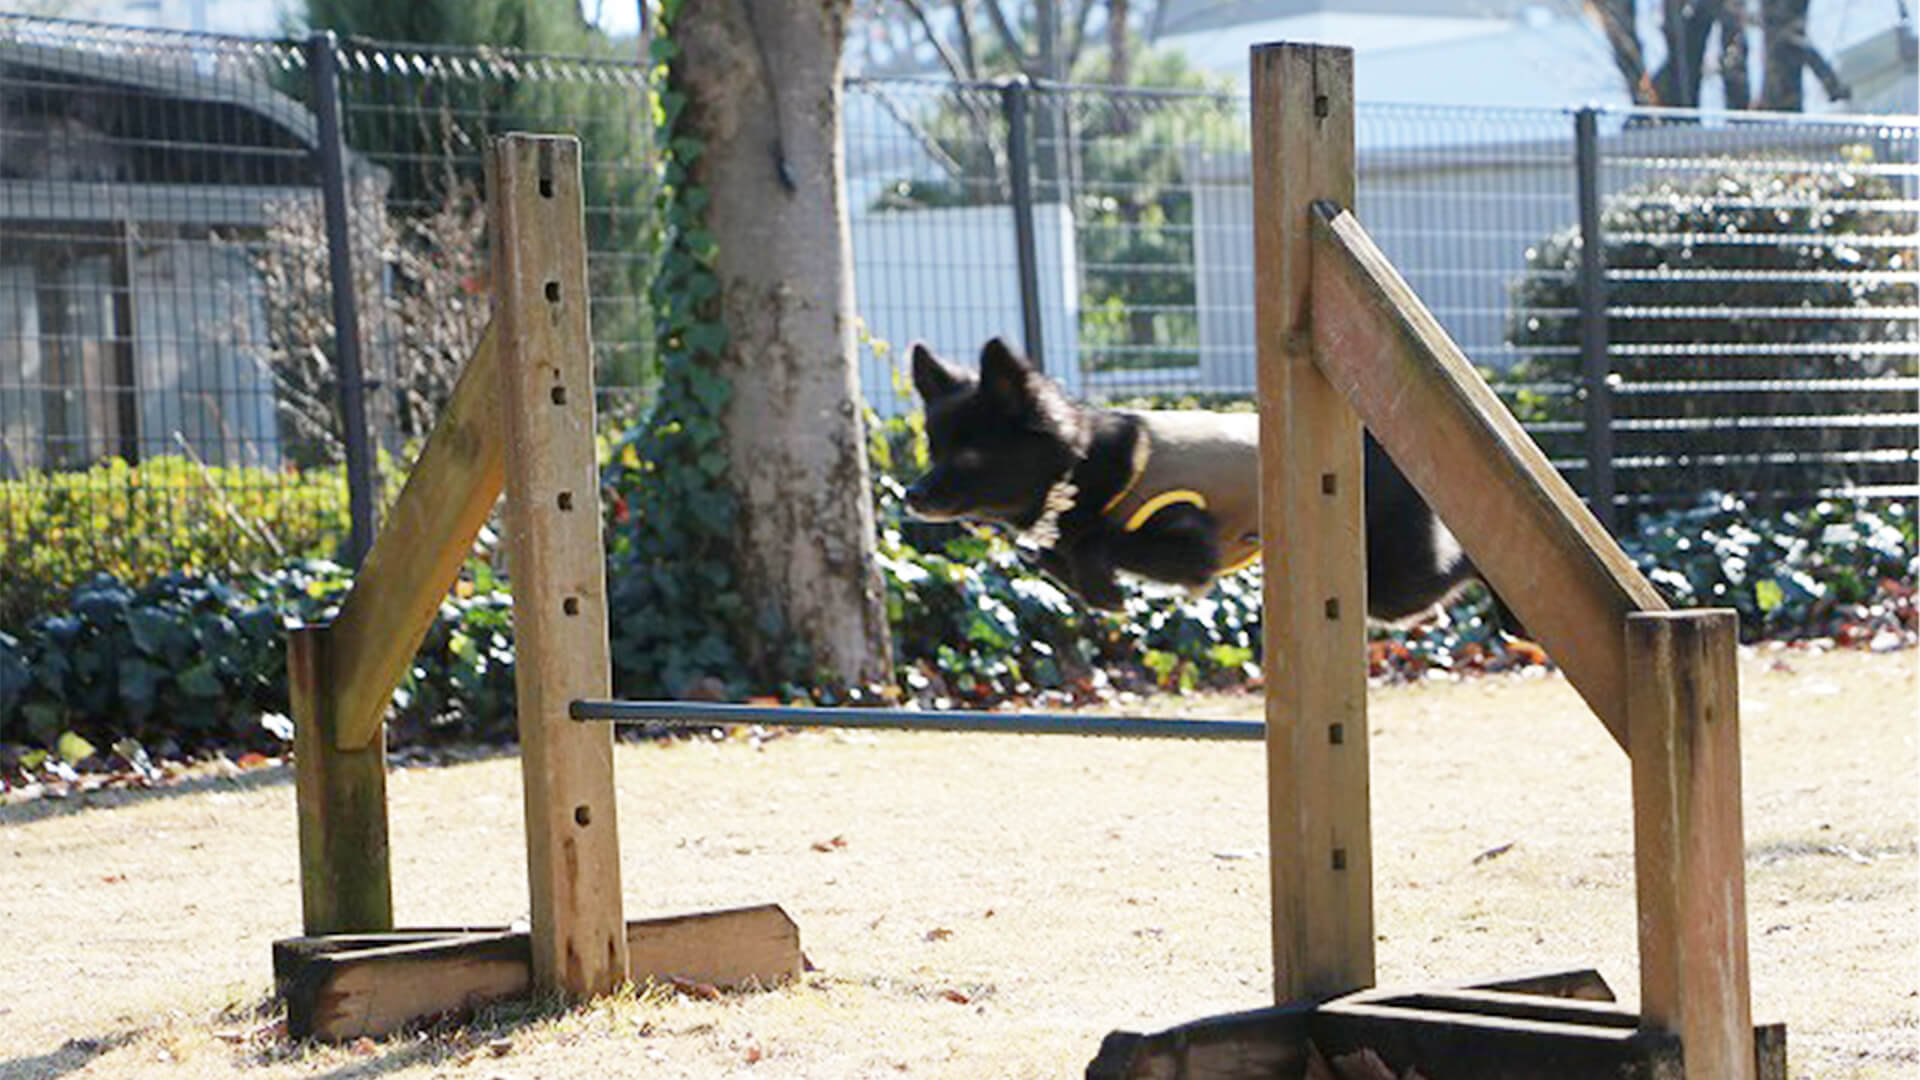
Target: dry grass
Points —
{"points": [[1081, 885]]}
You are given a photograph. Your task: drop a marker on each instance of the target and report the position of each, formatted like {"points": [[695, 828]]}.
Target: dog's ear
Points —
{"points": [[933, 377], [1005, 378]]}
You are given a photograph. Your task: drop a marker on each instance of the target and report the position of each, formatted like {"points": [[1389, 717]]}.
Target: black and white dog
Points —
{"points": [[1168, 496]]}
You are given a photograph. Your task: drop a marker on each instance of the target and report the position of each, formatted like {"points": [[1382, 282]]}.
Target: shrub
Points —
{"points": [[1725, 296], [1827, 571], [138, 523]]}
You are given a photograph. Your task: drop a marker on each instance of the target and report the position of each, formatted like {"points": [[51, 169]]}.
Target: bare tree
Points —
{"points": [[1688, 25], [762, 86], [1044, 40]]}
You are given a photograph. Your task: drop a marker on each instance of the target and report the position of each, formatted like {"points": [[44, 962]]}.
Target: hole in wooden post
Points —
{"points": [[1333, 607], [1339, 858], [553, 292], [582, 815], [546, 187], [1329, 483], [565, 500], [1336, 734], [1320, 105], [559, 395], [571, 605]]}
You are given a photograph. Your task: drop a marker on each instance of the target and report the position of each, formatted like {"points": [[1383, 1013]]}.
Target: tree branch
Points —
{"points": [[963, 23], [1615, 18], [953, 63], [1008, 39], [1733, 54], [1077, 36]]}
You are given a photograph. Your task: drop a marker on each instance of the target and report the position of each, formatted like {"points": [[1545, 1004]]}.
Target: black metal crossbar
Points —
{"points": [[709, 714]]}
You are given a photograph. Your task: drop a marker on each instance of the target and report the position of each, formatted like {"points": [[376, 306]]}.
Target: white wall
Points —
{"points": [[950, 277]]}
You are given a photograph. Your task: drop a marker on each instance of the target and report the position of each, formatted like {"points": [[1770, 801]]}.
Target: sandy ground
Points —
{"points": [[998, 903]]}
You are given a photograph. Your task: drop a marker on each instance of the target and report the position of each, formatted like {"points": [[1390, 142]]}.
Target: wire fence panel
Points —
{"points": [[139, 419], [421, 118], [1752, 321], [178, 388], [1762, 314]]}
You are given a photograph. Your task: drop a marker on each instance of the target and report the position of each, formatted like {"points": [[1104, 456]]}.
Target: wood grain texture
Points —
{"points": [[1689, 844], [346, 879], [739, 947], [1313, 542], [341, 987], [1522, 524], [559, 564], [418, 553]]}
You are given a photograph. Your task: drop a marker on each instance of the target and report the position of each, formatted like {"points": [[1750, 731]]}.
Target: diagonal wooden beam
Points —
{"points": [[427, 536], [1517, 518]]}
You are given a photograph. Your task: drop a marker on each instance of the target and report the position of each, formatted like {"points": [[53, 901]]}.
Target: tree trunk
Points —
{"points": [[1733, 54], [762, 86], [1783, 35]]}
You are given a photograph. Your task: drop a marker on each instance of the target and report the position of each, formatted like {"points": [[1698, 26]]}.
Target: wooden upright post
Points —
{"points": [[346, 883], [559, 568], [1314, 544], [1689, 848]]}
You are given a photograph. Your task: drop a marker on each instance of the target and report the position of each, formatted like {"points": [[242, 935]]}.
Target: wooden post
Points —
{"points": [[559, 565], [1689, 848], [346, 883], [1313, 540]]}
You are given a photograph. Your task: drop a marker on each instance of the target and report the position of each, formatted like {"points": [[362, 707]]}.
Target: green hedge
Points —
{"points": [[167, 514], [189, 663]]}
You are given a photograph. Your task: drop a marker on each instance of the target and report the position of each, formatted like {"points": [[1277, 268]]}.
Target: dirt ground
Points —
{"points": [[998, 903]]}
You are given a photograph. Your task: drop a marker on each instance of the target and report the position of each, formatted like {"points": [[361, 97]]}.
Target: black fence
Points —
{"points": [[1748, 319], [238, 275]]}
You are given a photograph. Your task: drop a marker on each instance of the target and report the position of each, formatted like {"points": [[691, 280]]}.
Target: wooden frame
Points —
{"points": [[1343, 340], [521, 419]]}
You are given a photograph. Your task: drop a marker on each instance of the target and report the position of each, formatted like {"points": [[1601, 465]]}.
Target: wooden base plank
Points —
{"points": [[340, 987], [1442, 1033]]}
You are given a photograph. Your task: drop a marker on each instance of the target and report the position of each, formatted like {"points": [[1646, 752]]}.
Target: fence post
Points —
{"points": [[1592, 286], [323, 67], [1014, 103]]}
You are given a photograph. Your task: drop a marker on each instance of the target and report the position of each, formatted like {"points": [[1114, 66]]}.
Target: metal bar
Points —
{"points": [[1595, 365], [704, 714], [323, 64], [1014, 101]]}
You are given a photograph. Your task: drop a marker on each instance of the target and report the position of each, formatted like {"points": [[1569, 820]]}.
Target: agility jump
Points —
{"points": [[1342, 340]]}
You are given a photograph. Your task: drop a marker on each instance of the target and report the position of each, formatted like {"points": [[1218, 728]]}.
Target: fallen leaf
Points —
{"points": [[939, 933], [956, 997], [829, 845], [753, 1054], [1493, 852], [703, 991]]}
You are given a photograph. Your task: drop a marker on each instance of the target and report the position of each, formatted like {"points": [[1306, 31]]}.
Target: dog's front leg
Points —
{"points": [[1092, 574]]}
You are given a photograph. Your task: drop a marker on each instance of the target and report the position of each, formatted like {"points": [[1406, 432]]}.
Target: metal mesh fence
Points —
{"points": [[1755, 322], [1762, 305], [171, 354], [172, 343]]}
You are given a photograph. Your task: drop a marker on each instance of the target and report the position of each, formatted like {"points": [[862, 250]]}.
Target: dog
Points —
{"points": [[1167, 496]]}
